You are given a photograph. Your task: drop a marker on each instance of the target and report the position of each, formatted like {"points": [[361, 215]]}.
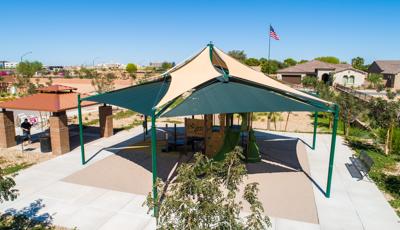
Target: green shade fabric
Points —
{"points": [[139, 98], [235, 97]]}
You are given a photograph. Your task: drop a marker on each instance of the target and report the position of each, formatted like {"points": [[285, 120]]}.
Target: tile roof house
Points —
{"points": [[390, 71], [343, 74]]}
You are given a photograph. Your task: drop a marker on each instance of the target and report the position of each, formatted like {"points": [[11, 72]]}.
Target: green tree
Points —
{"points": [[7, 190], [329, 59], [271, 66], [167, 65], [375, 79], [25, 71], [349, 110], [203, 195], [289, 62], [302, 61], [103, 82], [131, 69], [88, 73], [385, 115], [325, 92], [239, 55], [310, 82], [358, 63], [391, 94], [252, 62]]}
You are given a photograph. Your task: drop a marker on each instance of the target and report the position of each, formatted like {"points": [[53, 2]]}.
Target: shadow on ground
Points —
{"points": [[27, 218]]}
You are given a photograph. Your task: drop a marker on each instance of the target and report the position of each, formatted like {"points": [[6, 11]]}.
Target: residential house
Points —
{"points": [[343, 74], [156, 64], [390, 71]]}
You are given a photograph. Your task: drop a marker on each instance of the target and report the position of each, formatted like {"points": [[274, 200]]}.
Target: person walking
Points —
{"points": [[26, 130]]}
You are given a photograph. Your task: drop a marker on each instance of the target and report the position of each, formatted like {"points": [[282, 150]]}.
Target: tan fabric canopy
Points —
{"points": [[239, 70], [200, 69], [190, 75]]}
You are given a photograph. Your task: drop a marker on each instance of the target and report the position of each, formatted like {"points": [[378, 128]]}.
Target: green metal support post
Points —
{"points": [[315, 126], [81, 130], [315, 130], [332, 152], [154, 159]]}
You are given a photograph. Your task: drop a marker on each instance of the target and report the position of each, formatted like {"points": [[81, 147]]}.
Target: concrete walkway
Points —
{"points": [[72, 205], [354, 203]]}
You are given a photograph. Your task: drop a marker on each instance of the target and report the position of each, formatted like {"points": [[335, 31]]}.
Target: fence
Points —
{"points": [[361, 95]]}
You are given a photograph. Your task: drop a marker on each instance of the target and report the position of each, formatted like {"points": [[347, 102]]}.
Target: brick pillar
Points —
{"points": [[59, 133], [7, 129], [106, 121]]}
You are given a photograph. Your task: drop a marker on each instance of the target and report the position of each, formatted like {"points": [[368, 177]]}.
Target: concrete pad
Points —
{"points": [[122, 221], [112, 200], [89, 218], [135, 206], [285, 189], [131, 166], [286, 224], [354, 204]]}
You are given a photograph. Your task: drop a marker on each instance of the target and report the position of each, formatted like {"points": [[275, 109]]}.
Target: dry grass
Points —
{"points": [[12, 160]]}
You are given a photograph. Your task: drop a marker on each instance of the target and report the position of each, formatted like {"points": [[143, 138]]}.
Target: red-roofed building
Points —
{"points": [[56, 99]]}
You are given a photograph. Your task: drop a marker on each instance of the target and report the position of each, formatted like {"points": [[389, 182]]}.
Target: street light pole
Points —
{"points": [[23, 55]]}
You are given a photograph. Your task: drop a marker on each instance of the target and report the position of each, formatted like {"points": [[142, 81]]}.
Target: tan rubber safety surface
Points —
{"points": [[285, 189]]}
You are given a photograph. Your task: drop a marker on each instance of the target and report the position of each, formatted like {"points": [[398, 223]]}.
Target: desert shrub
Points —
{"points": [[203, 195], [396, 141]]}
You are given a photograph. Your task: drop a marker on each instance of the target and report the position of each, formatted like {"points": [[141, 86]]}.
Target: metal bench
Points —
{"points": [[360, 166], [366, 160]]}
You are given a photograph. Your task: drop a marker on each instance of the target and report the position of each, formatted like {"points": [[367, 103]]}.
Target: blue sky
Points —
{"points": [[76, 32]]}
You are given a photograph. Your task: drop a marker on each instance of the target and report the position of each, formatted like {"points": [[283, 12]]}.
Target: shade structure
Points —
{"points": [[213, 82], [49, 99], [190, 75], [139, 98], [203, 74], [236, 97]]}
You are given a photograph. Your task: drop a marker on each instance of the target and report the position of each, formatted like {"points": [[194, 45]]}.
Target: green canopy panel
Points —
{"points": [[235, 97], [139, 98]]}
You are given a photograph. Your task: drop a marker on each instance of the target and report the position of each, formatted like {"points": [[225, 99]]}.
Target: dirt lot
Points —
{"points": [[291, 122], [13, 160]]}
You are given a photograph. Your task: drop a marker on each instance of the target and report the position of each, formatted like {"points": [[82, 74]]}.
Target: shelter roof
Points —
{"points": [[210, 69], [48, 101], [56, 88]]}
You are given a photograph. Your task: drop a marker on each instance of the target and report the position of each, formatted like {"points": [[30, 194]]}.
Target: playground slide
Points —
{"points": [[253, 154], [231, 140]]}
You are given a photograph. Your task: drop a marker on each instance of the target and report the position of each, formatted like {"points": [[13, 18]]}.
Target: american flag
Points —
{"points": [[272, 33]]}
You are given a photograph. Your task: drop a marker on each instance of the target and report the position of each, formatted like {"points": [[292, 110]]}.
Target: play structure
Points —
{"points": [[218, 135], [217, 87]]}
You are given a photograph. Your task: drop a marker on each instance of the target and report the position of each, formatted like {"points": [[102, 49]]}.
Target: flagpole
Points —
{"points": [[269, 47]]}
